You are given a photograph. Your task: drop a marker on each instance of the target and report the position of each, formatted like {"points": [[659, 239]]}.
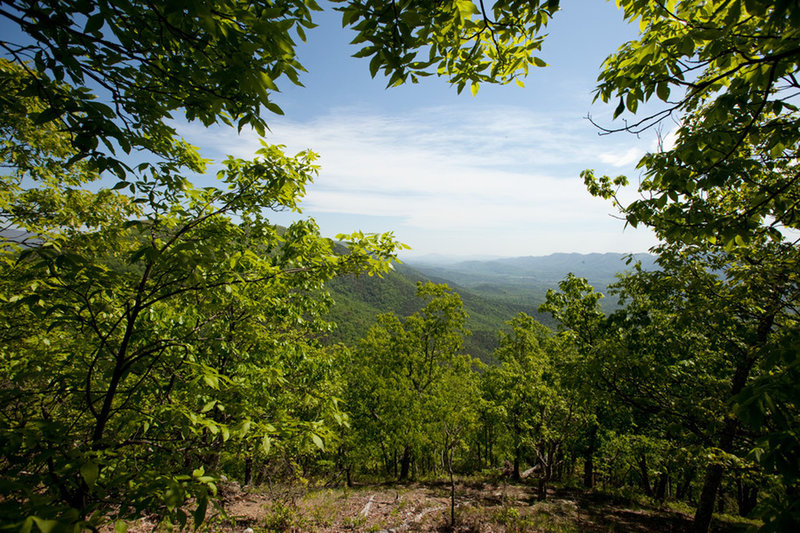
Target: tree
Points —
{"points": [[726, 72], [137, 342], [401, 375], [542, 410], [108, 77], [454, 409], [111, 75], [145, 318], [689, 340], [459, 39]]}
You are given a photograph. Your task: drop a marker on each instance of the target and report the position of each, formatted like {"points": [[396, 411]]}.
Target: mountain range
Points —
{"points": [[493, 291]]}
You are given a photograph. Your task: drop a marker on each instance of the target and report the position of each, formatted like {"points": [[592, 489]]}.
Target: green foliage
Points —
{"points": [[154, 331], [410, 390], [726, 191], [213, 62], [146, 319], [726, 71], [359, 299], [689, 353], [532, 396], [466, 42]]}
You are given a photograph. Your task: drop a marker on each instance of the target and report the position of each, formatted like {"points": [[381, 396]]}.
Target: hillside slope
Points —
{"points": [[359, 299]]}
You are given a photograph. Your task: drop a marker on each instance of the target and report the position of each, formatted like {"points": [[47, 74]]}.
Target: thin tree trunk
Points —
{"points": [[645, 476], [683, 487], [588, 459], [452, 490], [746, 497], [661, 486], [386, 464], [405, 463], [712, 481], [248, 470]]}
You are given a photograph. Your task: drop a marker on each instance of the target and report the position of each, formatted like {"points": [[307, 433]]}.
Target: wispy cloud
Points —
{"points": [[502, 171], [621, 159]]}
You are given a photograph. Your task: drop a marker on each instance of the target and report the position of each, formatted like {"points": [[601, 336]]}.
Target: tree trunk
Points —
{"points": [[705, 507], [452, 490], [661, 486], [248, 470], [645, 476], [713, 479], [683, 487], [405, 463], [746, 497], [386, 463], [492, 458], [515, 474], [588, 459]]}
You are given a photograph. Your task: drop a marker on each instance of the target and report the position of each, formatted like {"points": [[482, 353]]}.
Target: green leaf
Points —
{"points": [[318, 441], [199, 514], [620, 108], [94, 23], [662, 90], [45, 526], [274, 108], [89, 473], [48, 115], [374, 65]]}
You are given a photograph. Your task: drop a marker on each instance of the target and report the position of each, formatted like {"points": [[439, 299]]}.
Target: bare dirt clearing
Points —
{"points": [[480, 507]]}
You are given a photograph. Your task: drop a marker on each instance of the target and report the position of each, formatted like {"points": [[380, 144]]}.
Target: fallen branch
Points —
{"points": [[365, 510]]}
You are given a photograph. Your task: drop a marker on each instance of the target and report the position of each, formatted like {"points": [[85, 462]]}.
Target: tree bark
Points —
{"points": [[683, 487], [746, 497], [405, 463], [661, 486], [588, 458], [645, 476], [248, 470], [713, 479]]}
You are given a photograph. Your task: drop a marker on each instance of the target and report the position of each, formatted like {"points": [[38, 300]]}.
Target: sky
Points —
{"points": [[495, 175]]}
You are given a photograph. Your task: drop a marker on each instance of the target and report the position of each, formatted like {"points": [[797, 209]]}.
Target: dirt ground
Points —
{"points": [[415, 507]]}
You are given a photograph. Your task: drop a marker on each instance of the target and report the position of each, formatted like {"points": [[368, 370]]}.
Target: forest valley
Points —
{"points": [[158, 338]]}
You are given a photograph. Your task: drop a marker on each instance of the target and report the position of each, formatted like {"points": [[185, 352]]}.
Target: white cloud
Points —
{"points": [[622, 159], [502, 173]]}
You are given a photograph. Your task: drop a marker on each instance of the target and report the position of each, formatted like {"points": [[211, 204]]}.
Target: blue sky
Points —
{"points": [[491, 175]]}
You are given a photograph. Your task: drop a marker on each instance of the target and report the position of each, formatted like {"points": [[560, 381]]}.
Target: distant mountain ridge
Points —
{"points": [[534, 275]]}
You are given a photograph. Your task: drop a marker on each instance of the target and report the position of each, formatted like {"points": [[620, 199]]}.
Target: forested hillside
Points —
{"points": [[358, 300]]}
